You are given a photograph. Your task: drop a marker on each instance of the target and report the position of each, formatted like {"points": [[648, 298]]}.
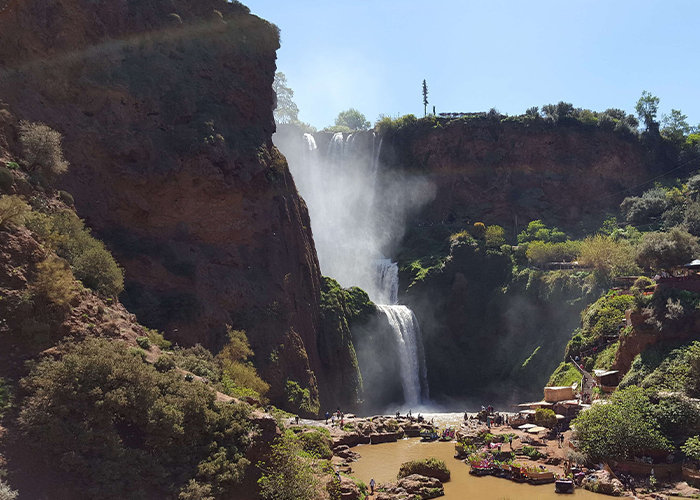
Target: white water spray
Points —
{"points": [[354, 221]]}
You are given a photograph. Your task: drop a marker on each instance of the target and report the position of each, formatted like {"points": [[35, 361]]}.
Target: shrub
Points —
{"points": [[537, 231], [540, 252], [41, 146], [289, 472], [66, 198], [13, 210], [7, 493], [134, 425], [494, 236], [664, 250], [532, 452], [54, 281], [608, 256], [98, 270], [317, 444], [199, 361], [298, 398], [143, 343], [646, 209], [92, 262], [621, 429], [238, 372], [691, 448], [565, 375], [431, 467], [164, 363], [156, 338], [545, 417], [6, 179]]}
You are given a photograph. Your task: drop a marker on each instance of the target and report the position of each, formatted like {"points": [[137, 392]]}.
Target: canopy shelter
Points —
{"points": [[526, 426], [695, 265], [536, 430]]}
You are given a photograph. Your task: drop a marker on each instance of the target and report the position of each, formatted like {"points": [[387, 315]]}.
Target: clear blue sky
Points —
{"points": [[475, 55]]}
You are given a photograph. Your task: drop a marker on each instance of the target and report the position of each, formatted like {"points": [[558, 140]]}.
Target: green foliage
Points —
{"points": [[431, 467], [647, 107], [352, 119], [532, 452], [286, 110], [289, 474], [646, 209], [317, 443], [565, 375], [691, 448], [164, 363], [540, 252], [494, 236], [54, 282], [606, 357], [665, 250], [13, 210], [675, 127], [41, 146], [134, 427], [199, 361], [91, 261], [538, 231], [545, 417], [672, 369], [12, 165], [621, 429], [534, 353], [156, 338], [608, 256], [479, 230], [299, 398], [677, 415], [143, 343]]}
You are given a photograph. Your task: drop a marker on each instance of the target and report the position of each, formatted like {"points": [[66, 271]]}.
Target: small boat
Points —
{"points": [[481, 471], [428, 435], [448, 434], [564, 486]]}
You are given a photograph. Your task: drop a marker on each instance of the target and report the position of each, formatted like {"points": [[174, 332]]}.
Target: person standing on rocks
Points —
{"points": [[371, 486]]}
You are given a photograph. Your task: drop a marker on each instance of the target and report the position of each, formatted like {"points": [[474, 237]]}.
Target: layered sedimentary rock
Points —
{"points": [[166, 111]]}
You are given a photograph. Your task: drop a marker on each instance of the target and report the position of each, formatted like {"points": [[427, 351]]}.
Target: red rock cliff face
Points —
{"points": [[510, 173], [166, 108]]}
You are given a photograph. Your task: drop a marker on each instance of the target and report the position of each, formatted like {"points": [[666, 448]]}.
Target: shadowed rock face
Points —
{"points": [[166, 111]]}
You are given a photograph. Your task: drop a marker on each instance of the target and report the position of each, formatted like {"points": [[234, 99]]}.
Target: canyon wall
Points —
{"points": [[166, 111]]}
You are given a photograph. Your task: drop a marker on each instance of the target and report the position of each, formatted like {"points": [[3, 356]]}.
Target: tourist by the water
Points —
{"points": [[327, 416], [371, 486]]}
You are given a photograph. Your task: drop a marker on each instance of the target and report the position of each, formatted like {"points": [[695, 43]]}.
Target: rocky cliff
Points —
{"points": [[510, 172], [166, 109]]}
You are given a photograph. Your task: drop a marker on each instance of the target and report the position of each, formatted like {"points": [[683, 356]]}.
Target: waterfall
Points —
{"points": [[354, 221], [405, 326]]}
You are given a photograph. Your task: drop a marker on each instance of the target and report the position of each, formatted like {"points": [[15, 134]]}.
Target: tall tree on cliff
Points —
{"points": [[425, 98], [286, 110], [647, 107]]}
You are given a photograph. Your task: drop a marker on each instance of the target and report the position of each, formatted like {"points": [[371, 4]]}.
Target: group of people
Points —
{"points": [[336, 415]]}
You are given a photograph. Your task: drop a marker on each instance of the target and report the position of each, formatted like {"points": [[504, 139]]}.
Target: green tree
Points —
{"points": [[289, 473], [608, 256], [13, 210], [545, 417], [425, 98], [238, 374], [41, 146], [495, 236], [675, 126], [621, 429], [665, 250], [691, 448], [286, 111], [647, 108], [352, 119]]}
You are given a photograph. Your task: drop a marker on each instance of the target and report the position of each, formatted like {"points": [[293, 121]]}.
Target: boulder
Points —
{"points": [[603, 482], [413, 487], [384, 437]]}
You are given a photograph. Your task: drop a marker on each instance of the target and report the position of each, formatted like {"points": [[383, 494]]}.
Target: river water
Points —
{"points": [[382, 462]]}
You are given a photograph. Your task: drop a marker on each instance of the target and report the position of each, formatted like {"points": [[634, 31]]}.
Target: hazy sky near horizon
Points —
{"points": [[476, 55]]}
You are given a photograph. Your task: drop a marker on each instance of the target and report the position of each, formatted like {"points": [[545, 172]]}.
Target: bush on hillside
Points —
{"points": [[238, 373], [6, 179], [13, 211], [41, 146], [645, 209], [90, 259], [54, 282], [691, 448], [7, 493], [290, 472], [541, 252], [317, 443], [621, 429], [609, 257], [665, 250], [141, 433], [494, 236]]}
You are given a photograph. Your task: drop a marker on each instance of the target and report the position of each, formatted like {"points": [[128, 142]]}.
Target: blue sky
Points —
{"points": [[509, 55]]}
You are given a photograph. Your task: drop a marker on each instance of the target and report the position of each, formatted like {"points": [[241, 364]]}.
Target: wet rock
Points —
{"points": [[603, 482], [387, 437], [413, 487]]}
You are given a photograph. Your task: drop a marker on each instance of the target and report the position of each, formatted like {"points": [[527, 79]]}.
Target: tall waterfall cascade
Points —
{"points": [[337, 175]]}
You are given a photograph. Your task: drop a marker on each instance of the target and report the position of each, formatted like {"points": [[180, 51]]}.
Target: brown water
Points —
{"points": [[382, 462]]}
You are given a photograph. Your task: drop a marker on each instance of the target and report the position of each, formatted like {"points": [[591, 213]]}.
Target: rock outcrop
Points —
{"points": [[413, 487], [166, 111]]}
